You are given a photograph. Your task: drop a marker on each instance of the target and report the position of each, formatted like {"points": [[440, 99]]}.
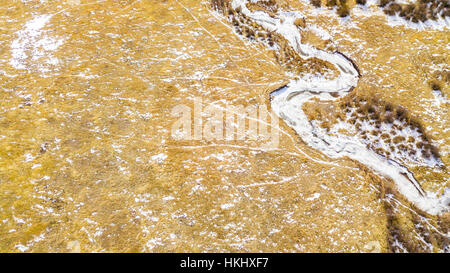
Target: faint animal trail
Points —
{"points": [[263, 21]]}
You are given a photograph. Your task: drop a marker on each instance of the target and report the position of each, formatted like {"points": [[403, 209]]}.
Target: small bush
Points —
{"points": [[384, 3], [420, 13], [393, 9], [331, 3], [407, 11], [316, 3], [343, 11], [435, 86]]}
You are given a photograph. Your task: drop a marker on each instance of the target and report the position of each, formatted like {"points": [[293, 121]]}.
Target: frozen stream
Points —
{"points": [[287, 103]]}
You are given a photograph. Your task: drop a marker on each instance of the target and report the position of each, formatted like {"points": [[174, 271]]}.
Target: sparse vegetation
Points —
{"points": [[268, 6], [420, 11], [376, 112]]}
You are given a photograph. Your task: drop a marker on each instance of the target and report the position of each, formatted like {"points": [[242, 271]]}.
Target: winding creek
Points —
{"points": [[287, 102]]}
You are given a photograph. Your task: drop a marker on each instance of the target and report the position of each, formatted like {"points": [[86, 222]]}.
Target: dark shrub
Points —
{"points": [[407, 11], [393, 9], [343, 10], [331, 3], [384, 3], [316, 3]]}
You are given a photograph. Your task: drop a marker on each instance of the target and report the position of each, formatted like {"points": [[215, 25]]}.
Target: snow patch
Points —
{"points": [[33, 47]]}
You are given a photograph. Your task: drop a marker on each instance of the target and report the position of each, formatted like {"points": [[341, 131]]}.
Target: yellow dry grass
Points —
{"points": [[93, 123]]}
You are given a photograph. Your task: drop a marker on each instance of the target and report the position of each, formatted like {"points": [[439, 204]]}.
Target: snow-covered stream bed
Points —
{"points": [[287, 103]]}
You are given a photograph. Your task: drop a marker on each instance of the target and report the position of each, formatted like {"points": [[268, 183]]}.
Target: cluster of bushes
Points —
{"points": [[343, 8], [269, 6], [376, 112], [420, 11], [219, 5]]}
